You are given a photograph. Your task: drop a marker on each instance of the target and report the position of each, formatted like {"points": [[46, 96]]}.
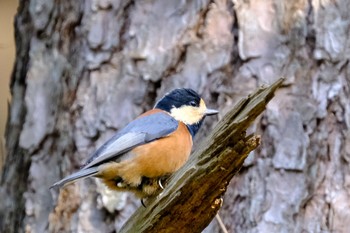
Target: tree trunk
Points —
{"points": [[85, 68]]}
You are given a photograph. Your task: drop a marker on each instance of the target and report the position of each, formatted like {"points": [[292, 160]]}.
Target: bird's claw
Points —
{"points": [[143, 203], [160, 184]]}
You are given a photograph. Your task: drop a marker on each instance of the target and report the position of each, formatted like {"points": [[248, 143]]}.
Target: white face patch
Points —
{"points": [[189, 114]]}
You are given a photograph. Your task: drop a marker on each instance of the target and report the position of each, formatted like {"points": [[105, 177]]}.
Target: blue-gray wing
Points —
{"points": [[140, 131]]}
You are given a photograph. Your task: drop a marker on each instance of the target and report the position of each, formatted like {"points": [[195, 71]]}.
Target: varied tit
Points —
{"points": [[153, 146]]}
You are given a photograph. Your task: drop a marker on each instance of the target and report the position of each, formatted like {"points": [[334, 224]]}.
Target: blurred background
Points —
{"points": [[86, 68], [7, 55]]}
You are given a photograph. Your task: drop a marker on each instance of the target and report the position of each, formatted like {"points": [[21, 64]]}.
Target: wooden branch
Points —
{"points": [[192, 196]]}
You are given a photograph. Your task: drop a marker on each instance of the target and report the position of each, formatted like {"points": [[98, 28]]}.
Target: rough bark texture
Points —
{"points": [[86, 68]]}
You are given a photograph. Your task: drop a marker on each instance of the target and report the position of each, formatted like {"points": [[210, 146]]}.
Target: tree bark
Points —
{"points": [[85, 68]]}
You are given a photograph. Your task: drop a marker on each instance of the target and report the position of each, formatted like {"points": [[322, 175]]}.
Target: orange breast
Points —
{"points": [[155, 159], [163, 156]]}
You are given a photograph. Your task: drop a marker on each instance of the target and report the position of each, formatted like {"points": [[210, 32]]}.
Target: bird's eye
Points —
{"points": [[193, 103]]}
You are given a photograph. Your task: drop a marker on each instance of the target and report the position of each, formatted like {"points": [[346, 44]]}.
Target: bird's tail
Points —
{"points": [[75, 176]]}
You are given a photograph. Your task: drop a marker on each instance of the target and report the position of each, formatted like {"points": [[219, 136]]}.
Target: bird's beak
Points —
{"points": [[210, 112]]}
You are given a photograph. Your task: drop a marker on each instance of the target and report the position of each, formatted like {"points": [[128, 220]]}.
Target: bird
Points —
{"points": [[153, 146]]}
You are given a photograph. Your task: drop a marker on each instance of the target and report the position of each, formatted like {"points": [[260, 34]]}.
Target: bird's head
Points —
{"points": [[187, 106]]}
